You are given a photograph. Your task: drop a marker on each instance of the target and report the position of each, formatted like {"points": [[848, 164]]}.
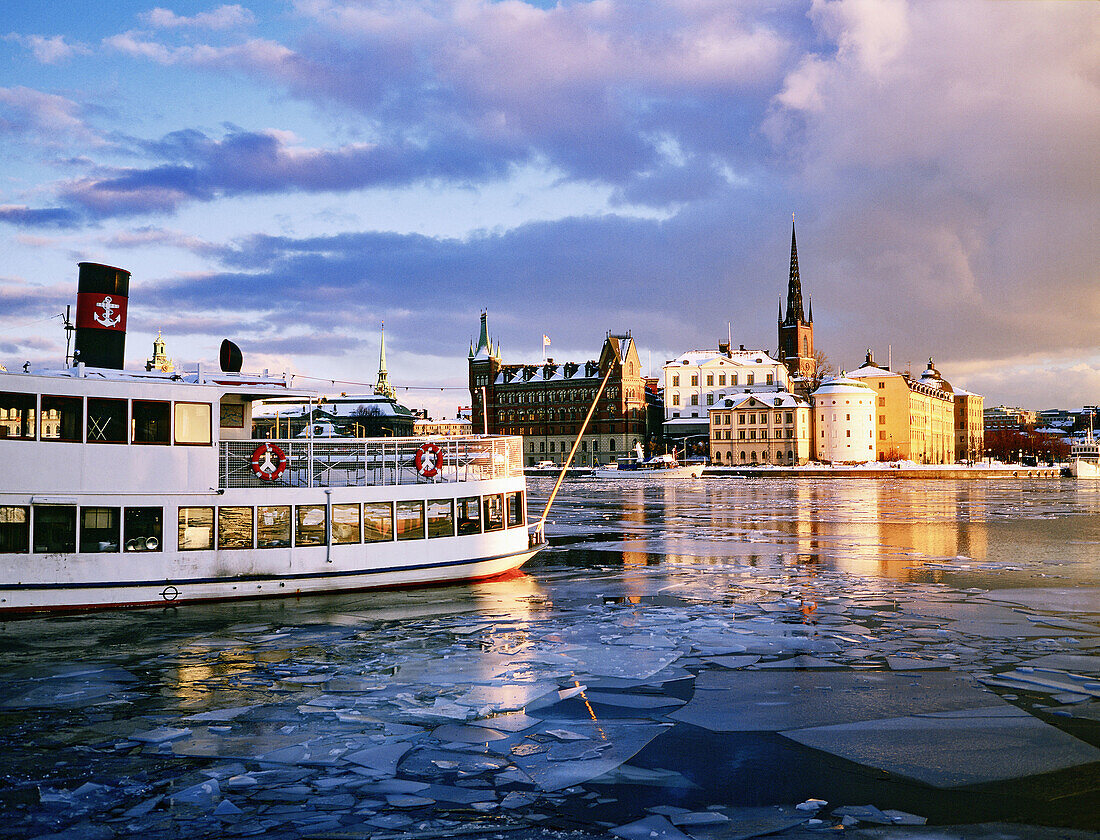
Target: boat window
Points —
{"points": [[196, 528], [54, 529], [410, 520], [15, 530], [99, 528], [142, 528], [310, 528], [494, 512], [514, 508], [273, 526], [378, 521], [16, 416], [235, 527], [106, 420], [469, 515], [441, 518], [150, 422], [193, 423], [345, 524], [62, 419]]}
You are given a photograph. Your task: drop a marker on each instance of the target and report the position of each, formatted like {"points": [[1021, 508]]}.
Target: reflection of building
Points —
{"points": [[547, 402], [699, 379], [914, 419], [796, 331], [844, 421], [761, 428]]}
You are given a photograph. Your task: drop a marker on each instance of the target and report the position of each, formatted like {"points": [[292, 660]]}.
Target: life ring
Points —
{"points": [[268, 461], [429, 458]]}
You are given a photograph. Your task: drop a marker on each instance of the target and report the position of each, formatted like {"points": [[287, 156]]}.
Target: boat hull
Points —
{"points": [[695, 471], [1085, 469]]}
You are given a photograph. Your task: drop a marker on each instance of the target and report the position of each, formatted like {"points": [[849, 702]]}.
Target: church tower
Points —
{"points": [[796, 331], [383, 387], [484, 361]]}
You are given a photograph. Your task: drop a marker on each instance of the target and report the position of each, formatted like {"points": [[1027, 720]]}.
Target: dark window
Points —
{"points": [[273, 526], [196, 528], [63, 419], [54, 529], [378, 521], [234, 527], [441, 518], [469, 516], [142, 528], [410, 520], [345, 524], [494, 512], [151, 422], [514, 508], [311, 525], [15, 530], [16, 416], [99, 528], [106, 421]]}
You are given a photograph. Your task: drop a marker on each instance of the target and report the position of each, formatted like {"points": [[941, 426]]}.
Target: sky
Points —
{"points": [[291, 175]]}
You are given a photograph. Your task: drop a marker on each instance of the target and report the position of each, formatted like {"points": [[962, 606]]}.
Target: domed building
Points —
{"points": [[844, 416]]}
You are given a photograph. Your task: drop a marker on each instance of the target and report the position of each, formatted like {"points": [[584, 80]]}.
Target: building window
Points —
{"points": [[790, 416], [721, 379], [694, 379], [733, 380], [710, 380], [695, 399], [771, 379], [882, 435], [710, 399], [675, 399], [675, 379], [751, 381]]}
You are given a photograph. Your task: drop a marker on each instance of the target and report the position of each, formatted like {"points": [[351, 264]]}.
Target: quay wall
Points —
{"points": [[969, 473]]}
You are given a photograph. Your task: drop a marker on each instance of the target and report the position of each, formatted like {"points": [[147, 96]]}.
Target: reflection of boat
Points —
{"points": [[659, 466], [136, 488]]}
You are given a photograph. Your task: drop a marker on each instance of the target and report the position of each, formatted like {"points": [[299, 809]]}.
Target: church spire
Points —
{"points": [[383, 387], [795, 312]]}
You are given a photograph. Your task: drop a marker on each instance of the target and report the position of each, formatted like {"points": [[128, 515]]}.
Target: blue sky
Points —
{"points": [[289, 174]]}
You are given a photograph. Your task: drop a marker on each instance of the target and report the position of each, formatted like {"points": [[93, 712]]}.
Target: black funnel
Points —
{"points": [[230, 357], [101, 296]]}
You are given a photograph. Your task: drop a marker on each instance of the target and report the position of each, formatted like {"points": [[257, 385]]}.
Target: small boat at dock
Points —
{"points": [[659, 466]]}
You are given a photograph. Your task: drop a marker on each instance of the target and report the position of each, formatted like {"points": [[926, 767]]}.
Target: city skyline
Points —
{"points": [[289, 175]]}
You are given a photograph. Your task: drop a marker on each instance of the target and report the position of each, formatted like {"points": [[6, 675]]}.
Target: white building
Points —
{"points": [[760, 429], [844, 420], [700, 379]]}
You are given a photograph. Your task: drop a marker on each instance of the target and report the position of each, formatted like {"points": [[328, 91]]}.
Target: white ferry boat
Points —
{"points": [[142, 488], [659, 466], [1084, 460]]}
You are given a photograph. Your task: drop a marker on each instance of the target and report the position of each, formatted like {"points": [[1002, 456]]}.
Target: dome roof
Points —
{"points": [[932, 378], [843, 385]]}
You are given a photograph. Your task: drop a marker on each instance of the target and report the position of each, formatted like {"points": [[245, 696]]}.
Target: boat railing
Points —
{"points": [[361, 462]]}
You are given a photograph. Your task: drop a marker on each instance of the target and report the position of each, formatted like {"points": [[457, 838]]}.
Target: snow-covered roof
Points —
{"points": [[842, 385], [868, 371], [780, 399], [740, 358]]}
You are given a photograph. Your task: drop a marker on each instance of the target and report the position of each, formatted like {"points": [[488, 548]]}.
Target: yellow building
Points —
{"points": [[760, 429], [969, 425], [915, 419], [445, 428]]}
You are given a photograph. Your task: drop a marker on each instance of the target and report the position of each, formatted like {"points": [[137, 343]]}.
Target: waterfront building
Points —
{"points": [[1003, 417], [844, 421], [969, 425], [547, 402], [796, 330], [700, 379], [761, 429], [445, 428], [914, 418]]}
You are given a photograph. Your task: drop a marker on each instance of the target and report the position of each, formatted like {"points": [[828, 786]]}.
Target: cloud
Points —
{"points": [[47, 117], [49, 50], [21, 216], [223, 17]]}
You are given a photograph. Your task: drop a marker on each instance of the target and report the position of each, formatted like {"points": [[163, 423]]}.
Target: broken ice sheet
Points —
{"points": [[623, 662], [952, 751], [623, 741], [653, 827], [741, 701]]}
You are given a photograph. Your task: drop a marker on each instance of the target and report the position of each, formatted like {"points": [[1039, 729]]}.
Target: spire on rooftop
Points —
{"points": [[795, 313], [383, 387]]}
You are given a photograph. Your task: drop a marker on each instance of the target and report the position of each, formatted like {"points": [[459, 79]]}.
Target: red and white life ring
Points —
{"points": [[429, 459], [268, 461]]}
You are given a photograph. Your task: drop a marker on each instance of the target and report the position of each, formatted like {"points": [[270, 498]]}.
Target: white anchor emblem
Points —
{"points": [[107, 319]]}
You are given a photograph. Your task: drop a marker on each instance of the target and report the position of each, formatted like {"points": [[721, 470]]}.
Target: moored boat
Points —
{"points": [[659, 466], [142, 488], [1084, 460]]}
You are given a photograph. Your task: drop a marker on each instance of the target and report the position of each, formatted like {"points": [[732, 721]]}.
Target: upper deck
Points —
{"points": [[116, 432]]}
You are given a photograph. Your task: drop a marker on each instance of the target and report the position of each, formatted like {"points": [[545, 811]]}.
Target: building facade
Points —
{"points": [[546, 403], [760, 429], [796, 330], [969, 426], [844, 421], [698, 380], [1002, 417], [445, 428], [914, 418]]}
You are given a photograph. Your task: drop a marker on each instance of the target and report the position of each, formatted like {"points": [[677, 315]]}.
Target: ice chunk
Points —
{"points": [[811, 805], [732, 662], [953, 751], [162, 735], [863, 813], [566, 735], [383, 758], [653, 827], [221, 714], [632, 701], [800, 661], [699, 818], [902, 818], [908, 663], [202, 795], [515, 722], [466, 734], [733, 701], [226, 810]]}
